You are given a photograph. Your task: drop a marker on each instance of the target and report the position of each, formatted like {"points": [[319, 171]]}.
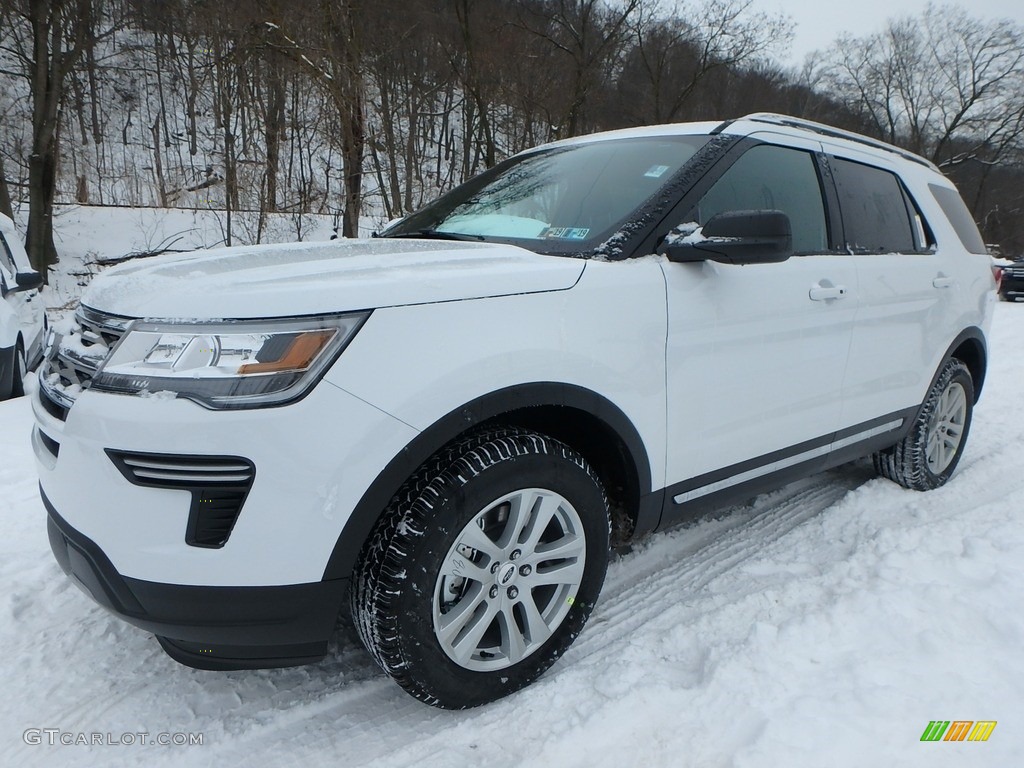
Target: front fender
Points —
{"points": [[464, 419]]}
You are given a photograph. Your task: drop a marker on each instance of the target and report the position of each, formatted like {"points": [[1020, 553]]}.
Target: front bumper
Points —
{"points": [[206, 627], [311, 463]]}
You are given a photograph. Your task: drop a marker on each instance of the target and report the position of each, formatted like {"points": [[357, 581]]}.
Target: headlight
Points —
{"points": [[229, 364]]}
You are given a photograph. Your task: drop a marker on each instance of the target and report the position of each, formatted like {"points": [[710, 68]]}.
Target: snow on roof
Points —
{"points": [[640, 132]]}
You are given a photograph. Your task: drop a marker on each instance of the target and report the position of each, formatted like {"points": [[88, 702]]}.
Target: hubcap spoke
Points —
{"points": [[513, 644], [456, 619], [519, 514], [460, 567], [566, 547], [543, 513], [537, 630], [955, 408], [473, 537], [565, 572], [464, 644]]}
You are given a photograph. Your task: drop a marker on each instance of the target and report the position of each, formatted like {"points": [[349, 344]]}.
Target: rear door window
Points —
{"points": [[877, 215]]}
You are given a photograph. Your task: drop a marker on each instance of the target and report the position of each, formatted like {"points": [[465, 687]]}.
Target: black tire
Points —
{"points": [[399, 581], [907, 462]]}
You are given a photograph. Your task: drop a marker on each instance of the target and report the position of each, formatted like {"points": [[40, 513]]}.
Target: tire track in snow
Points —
{"points": [[691, 558]]}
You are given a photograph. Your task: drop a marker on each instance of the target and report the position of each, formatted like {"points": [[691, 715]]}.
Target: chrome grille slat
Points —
{"points": [[189, 477], [198, 468], [78, 363]]}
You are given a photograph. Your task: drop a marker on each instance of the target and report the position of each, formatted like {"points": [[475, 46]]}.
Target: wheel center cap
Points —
{"points": [[506, 575]]}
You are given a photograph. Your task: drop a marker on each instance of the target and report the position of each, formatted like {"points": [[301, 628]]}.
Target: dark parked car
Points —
{"points": [[1011, 287]]}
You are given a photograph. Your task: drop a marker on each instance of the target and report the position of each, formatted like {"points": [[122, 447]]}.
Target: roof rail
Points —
{"points": [[836, 133]]}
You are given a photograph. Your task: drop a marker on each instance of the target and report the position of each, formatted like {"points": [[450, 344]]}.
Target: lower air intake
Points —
{"points": [[218, 484]]}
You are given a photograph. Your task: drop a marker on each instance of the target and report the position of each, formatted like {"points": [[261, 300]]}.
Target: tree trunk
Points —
{"points": [[158, 167], [46, 85], [348, 92], [42, 182], [274, 129], [5, 194]]}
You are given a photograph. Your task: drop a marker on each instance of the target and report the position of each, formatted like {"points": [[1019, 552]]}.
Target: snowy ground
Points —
{"points": [[823, 625]]}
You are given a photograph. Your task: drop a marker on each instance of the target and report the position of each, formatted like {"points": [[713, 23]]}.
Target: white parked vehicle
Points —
{"points": [[22, 317], [451, 423]]}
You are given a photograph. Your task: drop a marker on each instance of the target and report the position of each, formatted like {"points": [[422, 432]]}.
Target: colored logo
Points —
{"points": [[958, 730]]}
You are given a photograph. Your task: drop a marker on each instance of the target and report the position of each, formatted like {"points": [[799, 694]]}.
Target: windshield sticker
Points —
{"points": [[656, 171], [566, 233]]}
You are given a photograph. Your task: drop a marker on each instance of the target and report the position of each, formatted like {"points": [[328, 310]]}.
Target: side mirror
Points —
{"points": [[733, 237], [29, 281]]}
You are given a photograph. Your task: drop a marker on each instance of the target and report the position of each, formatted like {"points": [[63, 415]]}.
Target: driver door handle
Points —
{"points": [[821, 292]]}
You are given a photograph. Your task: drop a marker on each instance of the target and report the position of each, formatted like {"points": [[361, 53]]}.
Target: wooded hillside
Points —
{"points": [[362, 108]]}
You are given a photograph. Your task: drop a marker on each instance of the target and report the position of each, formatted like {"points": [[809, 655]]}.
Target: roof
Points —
{"points": [[795, 125]]}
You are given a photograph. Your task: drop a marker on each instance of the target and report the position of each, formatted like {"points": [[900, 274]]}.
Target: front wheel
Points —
{"points": [[484, 569], [927, 456]]}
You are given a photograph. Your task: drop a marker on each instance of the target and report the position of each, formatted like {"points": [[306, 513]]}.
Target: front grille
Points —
{"points": [[218, 484], [1016, 273], [74, 356]]}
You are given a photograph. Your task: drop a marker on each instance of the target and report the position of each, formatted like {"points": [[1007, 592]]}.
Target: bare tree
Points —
{"points": [[590, 35], [945, 85], [672, 55]]}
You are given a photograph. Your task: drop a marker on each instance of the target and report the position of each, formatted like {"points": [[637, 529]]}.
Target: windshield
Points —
{"points": [[565, 199]]}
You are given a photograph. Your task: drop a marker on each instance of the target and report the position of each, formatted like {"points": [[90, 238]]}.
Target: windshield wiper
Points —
{"points": [[434, 234]]}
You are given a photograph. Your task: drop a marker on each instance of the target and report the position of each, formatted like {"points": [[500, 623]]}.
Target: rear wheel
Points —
{"points": [[927, 456], [484, 569]]}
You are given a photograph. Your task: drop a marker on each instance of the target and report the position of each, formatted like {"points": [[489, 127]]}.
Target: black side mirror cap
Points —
{"points": [[734, 237], [29, 281]]}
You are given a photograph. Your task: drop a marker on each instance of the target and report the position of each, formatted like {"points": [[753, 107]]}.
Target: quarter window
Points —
{"points": [[956, 211]]}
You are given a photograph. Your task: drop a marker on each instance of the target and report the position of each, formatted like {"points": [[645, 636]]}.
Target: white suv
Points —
{"points": [[451, 423], [22, 317]]}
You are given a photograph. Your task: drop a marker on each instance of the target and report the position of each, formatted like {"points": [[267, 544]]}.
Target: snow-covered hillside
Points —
{"points": [[824, 624], [88, 236]]}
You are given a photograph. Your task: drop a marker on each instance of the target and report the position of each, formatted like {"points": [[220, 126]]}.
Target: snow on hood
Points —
{"points": [[315, 278]]}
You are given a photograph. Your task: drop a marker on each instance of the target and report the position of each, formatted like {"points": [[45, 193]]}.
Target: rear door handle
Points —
{"points": [[822, 292], [942, 281]]}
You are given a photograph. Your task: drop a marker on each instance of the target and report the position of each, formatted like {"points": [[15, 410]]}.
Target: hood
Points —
{"points": [[321, 278]]}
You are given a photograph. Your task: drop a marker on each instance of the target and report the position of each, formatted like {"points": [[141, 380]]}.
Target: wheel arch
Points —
{"points": [[969, 347], [585, 420]]}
